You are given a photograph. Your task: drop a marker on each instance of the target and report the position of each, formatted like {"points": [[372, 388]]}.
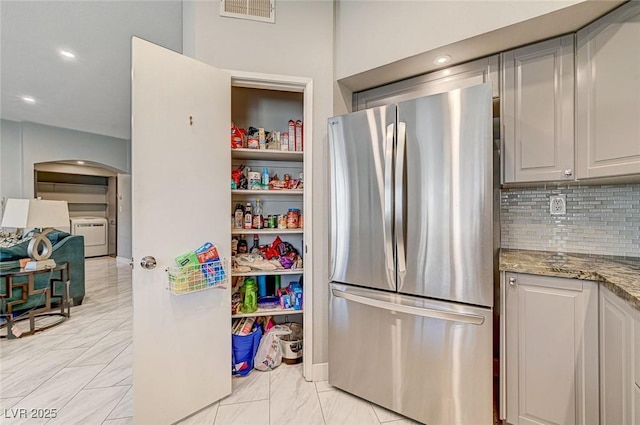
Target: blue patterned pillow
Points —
{"points": [[19, 250], [11, 239]]}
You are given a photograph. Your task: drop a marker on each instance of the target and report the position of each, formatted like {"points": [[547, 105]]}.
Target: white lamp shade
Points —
{"points": [[35, 213]]}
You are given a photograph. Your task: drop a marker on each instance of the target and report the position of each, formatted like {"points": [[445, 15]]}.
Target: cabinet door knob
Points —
{"points": [[568, 172], [512, 281], [148, 262]]}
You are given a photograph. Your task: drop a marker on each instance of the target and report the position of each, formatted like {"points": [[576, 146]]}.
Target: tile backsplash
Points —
{"points": [[602, 220]]}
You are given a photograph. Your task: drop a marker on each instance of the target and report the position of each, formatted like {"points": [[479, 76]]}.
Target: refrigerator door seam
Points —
{"points": [[453, 316], [399, 204]]}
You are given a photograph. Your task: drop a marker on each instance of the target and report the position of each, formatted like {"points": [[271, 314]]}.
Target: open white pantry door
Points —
{"points": [[181, 112]]}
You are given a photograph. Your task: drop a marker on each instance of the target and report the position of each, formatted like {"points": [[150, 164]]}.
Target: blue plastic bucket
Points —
{"points": [[244, 349]]}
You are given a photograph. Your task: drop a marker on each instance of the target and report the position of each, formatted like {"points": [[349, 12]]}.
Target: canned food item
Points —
{"points": [[292, 219], [273, 221], [255, 180], [301, 221], [282, 221]]}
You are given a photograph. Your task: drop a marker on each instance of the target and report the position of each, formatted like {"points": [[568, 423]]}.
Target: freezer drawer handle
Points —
{"points": [[453, 316]]}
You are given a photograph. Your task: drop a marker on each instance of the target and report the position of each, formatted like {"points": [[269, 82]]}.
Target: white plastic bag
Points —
{"points": [[269, 354]]}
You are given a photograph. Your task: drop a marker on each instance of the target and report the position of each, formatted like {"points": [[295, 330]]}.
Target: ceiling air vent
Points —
{"points": [[254, 10]]}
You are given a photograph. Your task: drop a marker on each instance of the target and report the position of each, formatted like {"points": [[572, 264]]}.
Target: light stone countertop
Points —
{"points": [[621, 275]]}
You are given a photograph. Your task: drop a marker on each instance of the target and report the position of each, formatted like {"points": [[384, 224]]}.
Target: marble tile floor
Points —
{"points": [[82, 368]]}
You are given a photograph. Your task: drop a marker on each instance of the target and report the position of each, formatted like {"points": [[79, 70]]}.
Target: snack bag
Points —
{"points": [[189, 275], [188, 259], [237, 137], [212, 268]]}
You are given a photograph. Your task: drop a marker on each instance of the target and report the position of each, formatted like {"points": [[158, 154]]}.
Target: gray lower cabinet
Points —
{"points": [[608, 95], [617, 361], [550, 350], [636, 363], [538, 111], [636, 405]]}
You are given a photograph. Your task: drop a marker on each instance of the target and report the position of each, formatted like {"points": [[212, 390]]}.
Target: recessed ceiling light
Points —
{"points": [[80, 162], [28, 99], [441, 60], [67, 54]]}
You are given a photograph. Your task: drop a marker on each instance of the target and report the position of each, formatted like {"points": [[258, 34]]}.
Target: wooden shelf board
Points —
{"points": [[266, 154], [258, 192], [268, 312], [268, 273], [267, 231]]}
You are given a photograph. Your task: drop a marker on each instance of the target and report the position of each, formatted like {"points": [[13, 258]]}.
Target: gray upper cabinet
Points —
{"points": [[551, 345], [538, 112], [608, 95]]}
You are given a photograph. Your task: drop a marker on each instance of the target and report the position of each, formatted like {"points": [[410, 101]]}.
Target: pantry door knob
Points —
{"points": [[512, 281], [148, 262]]}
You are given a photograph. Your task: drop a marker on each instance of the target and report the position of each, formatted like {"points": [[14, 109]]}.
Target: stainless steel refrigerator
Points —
{"points": [[411, 256]]}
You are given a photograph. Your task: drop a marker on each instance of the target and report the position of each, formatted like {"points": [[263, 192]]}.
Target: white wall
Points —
{"points": [[300, 43], [370, 34], [123, 240], [10, 159], [42, 143]]}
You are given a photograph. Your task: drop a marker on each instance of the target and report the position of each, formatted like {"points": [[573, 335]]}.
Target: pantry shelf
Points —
{"points": [[267, 231], [257, 192], [266, 154], [268, 312], [267, 273]]}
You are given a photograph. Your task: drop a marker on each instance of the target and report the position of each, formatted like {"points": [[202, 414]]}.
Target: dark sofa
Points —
{"points": [[66, 249]]}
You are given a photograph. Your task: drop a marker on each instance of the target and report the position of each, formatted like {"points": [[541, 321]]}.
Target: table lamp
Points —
{"points": [[38, 214]]}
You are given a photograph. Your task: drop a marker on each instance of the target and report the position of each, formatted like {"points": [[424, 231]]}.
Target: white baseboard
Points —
{"points": [[123, 260], [320, 372]]}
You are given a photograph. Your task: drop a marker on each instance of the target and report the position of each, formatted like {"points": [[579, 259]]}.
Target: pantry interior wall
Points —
{"points": [[299, 44]]}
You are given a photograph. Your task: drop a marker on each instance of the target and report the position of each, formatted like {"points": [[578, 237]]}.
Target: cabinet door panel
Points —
{"points": [[608, 99], [546, 324], [636, 367], [636, 405], [552, 366], [616, 375], [537, 112], [636, 350]]}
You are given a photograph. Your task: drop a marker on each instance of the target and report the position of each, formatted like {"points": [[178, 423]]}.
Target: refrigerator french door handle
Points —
{"points": [[453, 316], [388, 206], [399, 202]]}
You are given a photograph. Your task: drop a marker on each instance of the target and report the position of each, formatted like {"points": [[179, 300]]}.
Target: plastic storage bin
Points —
{"points": [[244, 349]]}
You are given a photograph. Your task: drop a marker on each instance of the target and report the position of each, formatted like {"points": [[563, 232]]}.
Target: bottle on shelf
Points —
{"points": [[248, 217], [250, 299], [265, 178], [257, 215], [256, 244], [262, 285], [238, 217], [242, 245], [276, 284]]}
